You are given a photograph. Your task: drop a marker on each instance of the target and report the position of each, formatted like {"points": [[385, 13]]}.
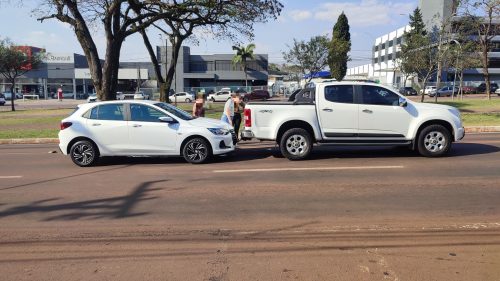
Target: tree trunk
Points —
{"points": [[156, 65], [110, 68], [176, 46], [423, 90], [461, 83], [486, 73], [13, 96]]}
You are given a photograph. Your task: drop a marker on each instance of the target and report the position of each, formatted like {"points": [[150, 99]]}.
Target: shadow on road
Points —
{"points": [[107, 208]]}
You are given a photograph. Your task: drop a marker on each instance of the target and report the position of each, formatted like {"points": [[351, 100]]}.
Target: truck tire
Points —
{"points": [[434, 141], [296, 144]]}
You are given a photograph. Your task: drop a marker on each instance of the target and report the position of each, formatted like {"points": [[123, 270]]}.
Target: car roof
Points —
{"points": [[88, 105]]}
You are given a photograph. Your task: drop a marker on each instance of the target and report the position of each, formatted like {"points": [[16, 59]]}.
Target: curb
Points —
{"points": [[473, 129], [29, 141]]}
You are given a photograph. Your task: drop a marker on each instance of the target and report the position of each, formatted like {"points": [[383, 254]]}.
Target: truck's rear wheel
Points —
{"points": [[434, 141], [296, 144]]}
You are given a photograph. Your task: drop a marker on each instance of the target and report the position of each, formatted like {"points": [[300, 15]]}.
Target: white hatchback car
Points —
{"points": [[220, 96], [181, 97], [141, 128]]}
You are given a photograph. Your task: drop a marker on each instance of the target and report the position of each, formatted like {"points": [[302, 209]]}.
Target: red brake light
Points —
{"points": [[248, 117], [65, 125]]}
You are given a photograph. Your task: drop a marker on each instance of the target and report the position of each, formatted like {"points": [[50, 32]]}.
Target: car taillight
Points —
{"points": [[248, 117], [65, 125]]}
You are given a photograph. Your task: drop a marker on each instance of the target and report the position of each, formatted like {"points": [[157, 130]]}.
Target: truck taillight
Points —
{"points": [[65, 125], [248, 117]]}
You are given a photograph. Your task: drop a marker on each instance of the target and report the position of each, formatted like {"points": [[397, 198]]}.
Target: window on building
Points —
{"points": [[389, 57], [375, 60], [198, 66], [383, 46], [398, 40], [382, 59], [223, 65], [339, 94], [391, 43], [375, 49]]}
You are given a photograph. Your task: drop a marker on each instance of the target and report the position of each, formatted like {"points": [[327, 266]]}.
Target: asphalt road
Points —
{"points": [[346, 214]]}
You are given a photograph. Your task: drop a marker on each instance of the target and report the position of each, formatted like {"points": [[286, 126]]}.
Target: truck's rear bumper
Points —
{"points": [[246, 135]]}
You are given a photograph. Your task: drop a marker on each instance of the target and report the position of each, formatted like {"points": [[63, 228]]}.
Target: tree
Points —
{"points": [[339, 48], [310, 57], [480, 15], [243, 54], [223, 19], [15, 62], [118, 18]]}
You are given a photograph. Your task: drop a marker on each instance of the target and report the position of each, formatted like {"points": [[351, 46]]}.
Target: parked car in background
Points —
{"points": [[141, 96], [2, 99], [445, 92], [220, 96], [257, 95], [408, 91], [498, 92], [482, 87], [141, 128], [469, 90], [8, 96], [181, 97], [429, 90], [92, 98]]}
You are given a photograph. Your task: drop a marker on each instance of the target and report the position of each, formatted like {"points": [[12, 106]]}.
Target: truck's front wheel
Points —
{"points": [[296, 144], [434, 141]]}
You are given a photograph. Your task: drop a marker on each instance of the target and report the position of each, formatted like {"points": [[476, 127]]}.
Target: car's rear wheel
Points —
{"points": [[434, 141], [188, 100], [196, 151], [296, 144], [84, 153], [212, 99]]}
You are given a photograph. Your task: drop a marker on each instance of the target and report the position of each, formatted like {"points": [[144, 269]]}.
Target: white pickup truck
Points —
{"points": [[353, 113]]}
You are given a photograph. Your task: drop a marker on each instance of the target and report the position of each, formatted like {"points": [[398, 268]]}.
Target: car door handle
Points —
{"points": [[367, 111], [96, 124], [327, 109], [136, 125]]}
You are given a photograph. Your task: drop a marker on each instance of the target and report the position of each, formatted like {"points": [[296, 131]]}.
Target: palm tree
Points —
{"points": [[241, 57]]}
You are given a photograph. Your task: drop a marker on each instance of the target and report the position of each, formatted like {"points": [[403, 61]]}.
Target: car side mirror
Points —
{"points": [[403, 102], [167, 119]]}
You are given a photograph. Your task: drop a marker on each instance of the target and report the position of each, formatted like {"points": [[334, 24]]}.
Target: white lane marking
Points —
{"points": [[10, 177], [309, 169]]}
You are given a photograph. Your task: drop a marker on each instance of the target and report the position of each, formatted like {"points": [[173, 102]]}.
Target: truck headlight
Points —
{"points": [[218, 131]]}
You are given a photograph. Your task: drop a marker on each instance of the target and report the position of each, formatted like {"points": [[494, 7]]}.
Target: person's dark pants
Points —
{"points": [[237, 122]]}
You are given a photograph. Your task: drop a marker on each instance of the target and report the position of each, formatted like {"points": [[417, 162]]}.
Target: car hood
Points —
{"points": [[209, 123], [433, 106]]}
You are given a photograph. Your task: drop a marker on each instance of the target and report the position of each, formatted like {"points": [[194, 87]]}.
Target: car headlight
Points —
{"points": [[218, 131]]}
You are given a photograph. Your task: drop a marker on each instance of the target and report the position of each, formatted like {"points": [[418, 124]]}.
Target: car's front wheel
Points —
{"points": [[296, 144], [434, 141], [188, 100], [212, 99], [196, 151], [84, 153]]}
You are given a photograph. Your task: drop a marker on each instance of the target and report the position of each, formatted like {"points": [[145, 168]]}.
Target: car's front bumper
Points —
{"points": [[460, 134], [223, 144]]}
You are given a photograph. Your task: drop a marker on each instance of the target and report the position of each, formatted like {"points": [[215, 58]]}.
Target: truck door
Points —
{"points": [[337, 111]]}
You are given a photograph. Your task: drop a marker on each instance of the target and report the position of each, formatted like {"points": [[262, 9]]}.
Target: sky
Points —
{"points": [[300, 19]]}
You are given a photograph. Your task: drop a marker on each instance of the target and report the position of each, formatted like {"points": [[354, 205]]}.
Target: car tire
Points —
{"points": [[84, 153], [434, 141], [188, 100], [196, 151], [212, 99], [296, 144]]}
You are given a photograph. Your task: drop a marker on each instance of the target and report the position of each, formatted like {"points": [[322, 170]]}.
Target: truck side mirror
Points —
{"points": [[403, 102]]}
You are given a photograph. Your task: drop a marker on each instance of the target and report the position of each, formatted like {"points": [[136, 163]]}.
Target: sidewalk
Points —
{"points": [[468, 130]]}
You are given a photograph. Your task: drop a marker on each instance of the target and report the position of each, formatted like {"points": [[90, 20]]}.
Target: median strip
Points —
{"points": [[309, 169]]}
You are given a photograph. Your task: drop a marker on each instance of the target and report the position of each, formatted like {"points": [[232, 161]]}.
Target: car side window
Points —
{"points": [[112, 112], [378, 96], [144, 113], [339, 93]]}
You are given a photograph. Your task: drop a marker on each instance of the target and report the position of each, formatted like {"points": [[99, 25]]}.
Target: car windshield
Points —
{"points": [[175, 111]]}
